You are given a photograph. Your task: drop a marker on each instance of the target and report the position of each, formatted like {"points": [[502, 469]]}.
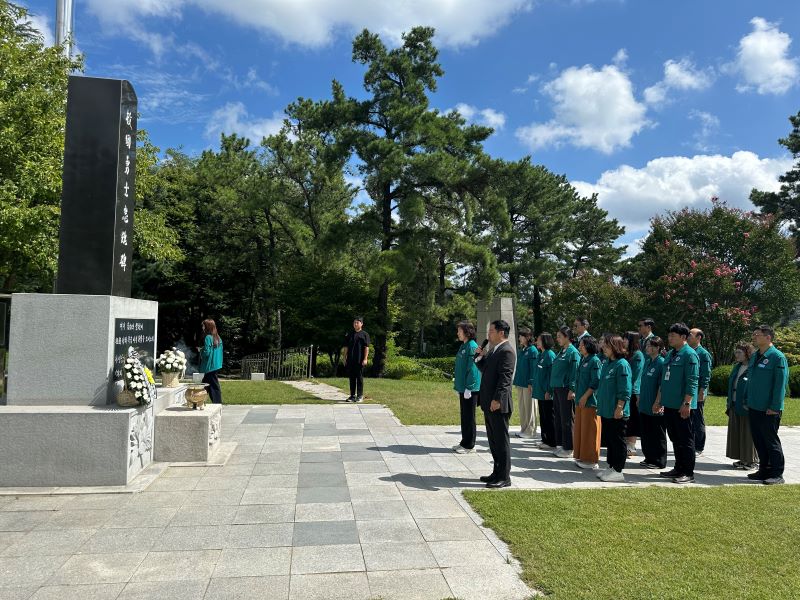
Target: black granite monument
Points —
{"points": [[98, 198]]}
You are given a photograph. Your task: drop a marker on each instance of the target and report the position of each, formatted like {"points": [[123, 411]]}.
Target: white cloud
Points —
{"points": [[763, 60], [670, 183], [484, 116], [709, 126], [593, 109], [234, 118], [316, 22], [620, 58], [532, 78], [41, 24], [678, 75]]}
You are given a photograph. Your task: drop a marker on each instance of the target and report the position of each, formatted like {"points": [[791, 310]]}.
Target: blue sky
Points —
{"points": [[653, 105]]}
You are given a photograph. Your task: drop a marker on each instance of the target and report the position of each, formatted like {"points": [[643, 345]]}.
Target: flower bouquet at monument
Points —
{"points": [[138, 384], [172, 366]]}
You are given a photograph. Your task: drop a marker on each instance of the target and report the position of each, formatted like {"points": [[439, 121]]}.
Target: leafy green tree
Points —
{"points": [[32, 117], [786, 202], [406, 154], [721, 269]]}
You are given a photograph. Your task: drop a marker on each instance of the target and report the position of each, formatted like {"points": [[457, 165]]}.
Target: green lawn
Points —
{"points": [[616, 544], [264, 392], [419, 402]]}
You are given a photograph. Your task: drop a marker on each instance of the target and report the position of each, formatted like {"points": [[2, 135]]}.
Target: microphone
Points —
{"points": [[482, 355]]}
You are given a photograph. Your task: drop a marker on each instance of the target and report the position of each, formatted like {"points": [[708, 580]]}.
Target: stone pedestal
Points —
{"points": [[167, 397], [186, 435], [73, 445], [62, 347], [498, 308]]}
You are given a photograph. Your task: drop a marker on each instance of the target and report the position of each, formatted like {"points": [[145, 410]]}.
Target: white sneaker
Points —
{"points": [[456, 447], [525, 436], [601, 472], [561, 453], [613, 476], [586, 465], [462, 450]]}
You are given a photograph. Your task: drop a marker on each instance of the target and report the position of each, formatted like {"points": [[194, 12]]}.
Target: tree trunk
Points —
{"points": [[379, 362], [537, 310]]}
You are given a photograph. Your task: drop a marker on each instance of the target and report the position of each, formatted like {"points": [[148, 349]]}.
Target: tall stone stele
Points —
{"points": [[62, 426]]}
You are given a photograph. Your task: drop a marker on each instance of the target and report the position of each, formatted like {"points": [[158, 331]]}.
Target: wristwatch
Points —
{"points": [[687, 403]]}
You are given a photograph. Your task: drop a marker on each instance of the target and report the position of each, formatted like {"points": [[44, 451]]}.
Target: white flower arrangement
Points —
{"points": [[138, 379], [172, 361]]}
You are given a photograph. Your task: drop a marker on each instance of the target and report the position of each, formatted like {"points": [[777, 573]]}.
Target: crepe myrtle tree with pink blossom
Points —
{"points": [[722, 269]]}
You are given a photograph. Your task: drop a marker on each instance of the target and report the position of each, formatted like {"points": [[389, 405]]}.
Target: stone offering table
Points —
{"points": [[186, 435]]}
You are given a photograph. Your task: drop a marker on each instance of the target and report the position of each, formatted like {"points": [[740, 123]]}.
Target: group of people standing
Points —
{"points": [[610, 391]]}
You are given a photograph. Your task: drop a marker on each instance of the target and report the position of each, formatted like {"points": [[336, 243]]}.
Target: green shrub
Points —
{"points": [[794, 381], [446, 364], [719, 380], [324, 367], [404, 367], [787, 339]]}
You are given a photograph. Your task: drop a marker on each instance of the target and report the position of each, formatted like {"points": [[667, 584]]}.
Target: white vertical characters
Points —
{"points": [[125, 214], [123, 238], [125, 189], [127, 164], [128, 141], [123, 261], [129, 119]]}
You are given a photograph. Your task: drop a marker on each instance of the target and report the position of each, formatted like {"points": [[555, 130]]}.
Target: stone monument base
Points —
{"points": [[74, 445]]}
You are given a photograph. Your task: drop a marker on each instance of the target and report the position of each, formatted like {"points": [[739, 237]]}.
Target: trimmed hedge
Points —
{"points": [[446, 363], [719, 380], [404, 367], [794, 381]]}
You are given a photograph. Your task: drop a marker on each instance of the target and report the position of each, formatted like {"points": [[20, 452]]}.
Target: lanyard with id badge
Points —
{"points": [[675, 357]]}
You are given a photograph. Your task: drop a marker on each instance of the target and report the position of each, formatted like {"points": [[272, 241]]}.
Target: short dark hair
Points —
{"points": [[359, 318], [632, 337], [583, 321], [591, 345], [657, 342], [566, 332], [699, 333], [468, 329], [746, 348], [526, 333], [614, 341], [680, 328], [647, 322], [547, 340], [500, 325], [766, 330]]}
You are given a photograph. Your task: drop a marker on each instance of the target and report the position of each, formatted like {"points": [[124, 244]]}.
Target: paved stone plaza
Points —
{"points": [[317, 501]]}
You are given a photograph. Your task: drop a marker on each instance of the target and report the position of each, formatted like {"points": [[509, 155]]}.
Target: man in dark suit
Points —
{"points": [[497, 368]]}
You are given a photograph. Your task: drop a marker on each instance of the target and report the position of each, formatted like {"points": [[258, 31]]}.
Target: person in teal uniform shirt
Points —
{"points": [[540, 385], [695, 340], [739, 444], [211, 360], [635, 358], [586, 434], [466, 383], [613, 405], [678, 397], [766, 390], [562, 385], [652, 427], [527, 354]]}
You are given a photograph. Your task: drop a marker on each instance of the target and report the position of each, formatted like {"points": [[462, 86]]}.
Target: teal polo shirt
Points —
{"points": [[768, 375], [615, 385]]}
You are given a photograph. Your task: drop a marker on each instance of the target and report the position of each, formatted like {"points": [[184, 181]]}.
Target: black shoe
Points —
{"points": [[351, 399], [499, 484], [488, 478], [683, 479], [359, 399], [758, 476], [774, 481], [648, 465], [670, 474]]}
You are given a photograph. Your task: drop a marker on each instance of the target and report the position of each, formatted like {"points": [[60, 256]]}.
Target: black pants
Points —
{"points": [[547, 422], [356, 374], [468, 428], [617, 452], [214, 391], [563, 417], [764, 428], [653, 431], [699, 426], [681, 432], [633, 421], [499, 444]]}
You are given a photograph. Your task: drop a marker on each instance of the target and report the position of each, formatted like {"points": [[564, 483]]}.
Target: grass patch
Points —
{"points": [[616, 544], [715, 411], [264, 392], [413, 402]]}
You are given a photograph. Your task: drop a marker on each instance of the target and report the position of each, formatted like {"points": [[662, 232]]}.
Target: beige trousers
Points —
{"points": [[527, 411]]}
